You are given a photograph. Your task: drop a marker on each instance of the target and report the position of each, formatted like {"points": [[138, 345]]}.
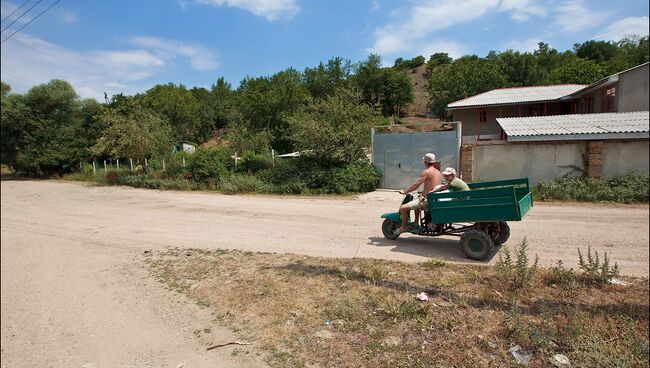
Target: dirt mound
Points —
{"points": [[419, 80]]}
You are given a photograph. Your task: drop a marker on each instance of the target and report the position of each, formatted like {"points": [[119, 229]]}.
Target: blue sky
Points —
{"points": [[129, 46]]}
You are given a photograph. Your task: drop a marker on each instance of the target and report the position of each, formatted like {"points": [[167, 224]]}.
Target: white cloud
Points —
{"points": [[625, 27], [522, 10], [409, 32], [269, 9], [375, 5], [574, 16], [413, 28], [527, 45], [201, 58], [453, 48], [27, 61]]}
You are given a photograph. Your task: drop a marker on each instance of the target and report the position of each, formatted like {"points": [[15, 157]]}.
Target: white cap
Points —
{"points": [[429, 158], [449, 171]]}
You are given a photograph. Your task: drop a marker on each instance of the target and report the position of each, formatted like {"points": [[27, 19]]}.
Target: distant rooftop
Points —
{"points": [[621, 125], [505, 96]]}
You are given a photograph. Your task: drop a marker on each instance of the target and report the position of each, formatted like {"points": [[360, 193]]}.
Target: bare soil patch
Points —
{"points": [[329, 312]]}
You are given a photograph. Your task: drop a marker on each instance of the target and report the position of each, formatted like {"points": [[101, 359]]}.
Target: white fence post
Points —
{"points": [[145, 162], [272, 157], [163, 164], [94, 168], [131, 164], [104, 165], [118, 163]]}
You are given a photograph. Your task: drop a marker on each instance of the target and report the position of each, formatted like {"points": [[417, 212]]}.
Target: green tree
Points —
{"points": [[336, 130], [579, 71], [368, 77], [437, 59], [264, 102], [598, 51], [466, 76], [13, 115], [521, 69], [51, 138], [134, 133], [179, 107], [401, 64], [324, 79], [396, 91]]}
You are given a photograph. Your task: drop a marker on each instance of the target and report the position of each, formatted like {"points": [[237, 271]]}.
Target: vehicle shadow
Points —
{"points": [[439, 247]]}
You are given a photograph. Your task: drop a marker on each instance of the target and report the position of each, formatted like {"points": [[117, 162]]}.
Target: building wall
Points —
{"points": [[541, 162], [632, 93], [621, 157], [537, 162], [491, 129]]}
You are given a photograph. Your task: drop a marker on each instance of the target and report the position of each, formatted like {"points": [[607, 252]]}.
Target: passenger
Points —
{"points": [[430, 177], [454, 183]]}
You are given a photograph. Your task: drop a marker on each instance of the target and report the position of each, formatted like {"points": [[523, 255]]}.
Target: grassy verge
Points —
{"points": [[626, 188], [316, 312]]}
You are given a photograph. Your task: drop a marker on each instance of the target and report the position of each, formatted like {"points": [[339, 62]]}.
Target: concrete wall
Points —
{"points": [[546, 161], [632, 93], [537, 162], [621, 157]]}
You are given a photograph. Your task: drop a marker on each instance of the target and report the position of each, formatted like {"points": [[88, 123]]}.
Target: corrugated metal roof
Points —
{"points": [[506, 96], [577, 126]]}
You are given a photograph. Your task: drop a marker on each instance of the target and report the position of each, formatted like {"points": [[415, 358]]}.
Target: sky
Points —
{"points": [[130, 46]]}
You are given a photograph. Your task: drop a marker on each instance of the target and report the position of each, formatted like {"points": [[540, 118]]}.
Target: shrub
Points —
{"points": [[242, 183], [518, 273], [596, 271], [359, 176], [625, 188], [561, 276], [252, 163], [210, 164]]}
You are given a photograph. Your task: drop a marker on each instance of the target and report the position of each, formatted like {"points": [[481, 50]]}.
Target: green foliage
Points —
{"points": [[562, 276], [467, 76], [437, 59], [324, 79], [517, 273], [132, 132], [578, 71], [252, 163], [401, 64], [595, 270], [597, 51], [178, 106], [396, 91], [333, 131], [521, 69], [242, 183], [356, 177], [210, 164], [623, 188], [45, 127]]}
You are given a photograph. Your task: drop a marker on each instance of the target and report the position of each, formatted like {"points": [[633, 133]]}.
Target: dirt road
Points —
{"points": [[73, 293]]}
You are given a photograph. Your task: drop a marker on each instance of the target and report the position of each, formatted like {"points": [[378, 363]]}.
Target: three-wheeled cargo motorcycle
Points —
{"points": [[478, 216]]}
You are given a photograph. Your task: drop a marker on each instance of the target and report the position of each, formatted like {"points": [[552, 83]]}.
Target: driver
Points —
{"points": [[430, 177]]}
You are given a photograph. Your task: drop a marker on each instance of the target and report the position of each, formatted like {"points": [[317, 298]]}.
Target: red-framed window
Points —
{"points": [[482, 116], [609, 99]]}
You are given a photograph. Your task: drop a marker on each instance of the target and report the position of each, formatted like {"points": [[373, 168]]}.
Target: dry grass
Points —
{"points": [[319, 312]]}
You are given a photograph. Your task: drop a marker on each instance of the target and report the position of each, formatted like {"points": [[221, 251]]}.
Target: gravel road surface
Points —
{"points": [[74, 293]]}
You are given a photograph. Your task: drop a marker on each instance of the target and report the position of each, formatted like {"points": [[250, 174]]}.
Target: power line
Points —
{"points": [[22, 15], [15, 10], [33, 19]]}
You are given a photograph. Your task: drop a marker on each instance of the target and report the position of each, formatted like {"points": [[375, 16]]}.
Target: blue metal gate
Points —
{"points": [[399, 155]]}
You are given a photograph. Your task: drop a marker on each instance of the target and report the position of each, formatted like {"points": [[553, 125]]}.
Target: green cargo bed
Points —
{"points": [[505, 200]]}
